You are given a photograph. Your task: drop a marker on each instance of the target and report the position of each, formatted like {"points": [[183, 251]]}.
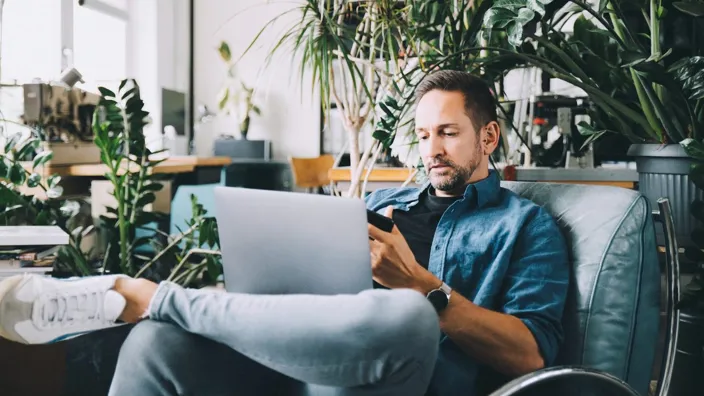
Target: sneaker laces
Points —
{"points": [[68, 308]]}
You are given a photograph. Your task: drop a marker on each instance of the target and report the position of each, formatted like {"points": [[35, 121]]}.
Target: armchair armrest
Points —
{"points": [[543, 376]]}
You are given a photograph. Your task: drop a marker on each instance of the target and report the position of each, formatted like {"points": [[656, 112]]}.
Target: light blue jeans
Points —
{"points": [[378, 342]]}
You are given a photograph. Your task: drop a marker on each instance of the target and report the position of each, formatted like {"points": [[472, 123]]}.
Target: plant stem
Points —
{"points": [[122, 224], [185, 258], [140, 183], [372, 161], [166, 249]]}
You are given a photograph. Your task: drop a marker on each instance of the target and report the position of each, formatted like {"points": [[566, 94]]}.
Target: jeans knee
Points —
{"points": [[148, 342], [405, 318]]}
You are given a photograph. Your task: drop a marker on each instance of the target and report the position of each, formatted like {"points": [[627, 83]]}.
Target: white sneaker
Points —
{"points": [[40, 310]]}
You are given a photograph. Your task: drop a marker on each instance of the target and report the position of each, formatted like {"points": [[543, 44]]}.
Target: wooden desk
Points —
{"points": [[172, 165], [394, 177], [399, 175]]}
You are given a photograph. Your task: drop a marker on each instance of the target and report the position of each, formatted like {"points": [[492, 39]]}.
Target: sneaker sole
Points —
{"points": [[5, 286]]}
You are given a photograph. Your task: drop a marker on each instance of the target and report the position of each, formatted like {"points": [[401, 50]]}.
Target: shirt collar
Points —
{"points": [[477, 194]]}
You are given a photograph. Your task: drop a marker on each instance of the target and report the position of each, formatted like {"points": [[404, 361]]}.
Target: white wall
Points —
{"points": [[158, 56], [290, 118]]}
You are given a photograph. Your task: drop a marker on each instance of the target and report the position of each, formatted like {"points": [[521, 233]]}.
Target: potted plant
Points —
{"points": [[367, 57], [236, 98], [639, 89]]}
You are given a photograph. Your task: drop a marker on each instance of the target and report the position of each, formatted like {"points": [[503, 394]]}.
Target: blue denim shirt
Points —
{"points": [[503, 253]]}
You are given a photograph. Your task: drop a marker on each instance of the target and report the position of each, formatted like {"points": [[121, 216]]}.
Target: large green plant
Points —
{"points": [[27, 197], [368, 56], [119, 134], [659, 100]]}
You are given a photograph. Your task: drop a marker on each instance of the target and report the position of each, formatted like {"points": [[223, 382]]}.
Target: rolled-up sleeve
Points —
{"points": [[536, 283]]}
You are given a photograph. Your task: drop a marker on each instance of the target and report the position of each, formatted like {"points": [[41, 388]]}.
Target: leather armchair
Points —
{"points": [[612, 312]]}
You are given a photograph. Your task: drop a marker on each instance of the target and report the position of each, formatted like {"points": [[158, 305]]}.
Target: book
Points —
{"points": [[32, 235]]}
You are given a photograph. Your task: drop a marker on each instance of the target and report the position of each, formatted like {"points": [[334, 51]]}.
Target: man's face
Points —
{"points": [[448, 143]]}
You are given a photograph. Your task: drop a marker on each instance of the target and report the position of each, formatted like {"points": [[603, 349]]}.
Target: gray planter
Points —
{"points": [[663, 171]]}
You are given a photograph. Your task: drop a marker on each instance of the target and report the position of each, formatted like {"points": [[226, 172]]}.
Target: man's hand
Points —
{"points": [[393, 262]]}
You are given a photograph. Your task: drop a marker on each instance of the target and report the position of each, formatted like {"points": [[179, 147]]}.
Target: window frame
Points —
{"points": [[67, 28]]}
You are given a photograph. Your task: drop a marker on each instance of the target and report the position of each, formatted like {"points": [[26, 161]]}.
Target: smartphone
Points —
{"points": [[380, 221]]}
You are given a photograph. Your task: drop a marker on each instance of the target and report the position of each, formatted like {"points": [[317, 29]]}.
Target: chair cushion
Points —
{"points": [[612, 312]]}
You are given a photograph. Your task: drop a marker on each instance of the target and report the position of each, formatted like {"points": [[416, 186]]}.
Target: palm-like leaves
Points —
{"points": [[634, 94]]}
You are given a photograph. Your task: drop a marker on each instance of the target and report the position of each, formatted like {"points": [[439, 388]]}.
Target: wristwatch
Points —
{"points": [[440, 297]]}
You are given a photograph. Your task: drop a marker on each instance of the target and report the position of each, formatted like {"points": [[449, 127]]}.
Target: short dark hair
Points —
{"points": [[479, 102]]}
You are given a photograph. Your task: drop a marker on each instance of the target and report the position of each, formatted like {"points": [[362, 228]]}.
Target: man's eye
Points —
{"points": [[422, 137], [450, 133]]}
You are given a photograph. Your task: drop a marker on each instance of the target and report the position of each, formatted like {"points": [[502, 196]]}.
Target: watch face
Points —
{"points": [[439, 299]]}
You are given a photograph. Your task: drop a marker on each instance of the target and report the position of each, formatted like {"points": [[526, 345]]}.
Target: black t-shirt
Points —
{"points": [[418, 224]]}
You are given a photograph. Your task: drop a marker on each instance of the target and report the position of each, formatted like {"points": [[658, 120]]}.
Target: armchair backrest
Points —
{"points": [[612, 312]]}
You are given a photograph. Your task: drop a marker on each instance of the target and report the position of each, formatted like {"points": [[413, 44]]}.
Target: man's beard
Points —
{"points": [[454, 177]]}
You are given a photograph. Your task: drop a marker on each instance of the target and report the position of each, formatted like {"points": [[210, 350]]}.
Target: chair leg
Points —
{"points": [[672, 269]]}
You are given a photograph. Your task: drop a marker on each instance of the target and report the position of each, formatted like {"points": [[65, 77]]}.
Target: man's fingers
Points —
{"points": [[376, 233], [389, 212]]}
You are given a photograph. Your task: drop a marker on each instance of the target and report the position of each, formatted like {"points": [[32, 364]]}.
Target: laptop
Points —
{"points": [[276, 242]]}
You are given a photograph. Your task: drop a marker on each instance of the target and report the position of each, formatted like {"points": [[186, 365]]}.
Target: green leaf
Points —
{"points": [[224, 51], [498, 18], [392, 103], [381, 135], [42, 158], [144, 218], [585, 129], [17, 174], [106, 92], [42, 218], [152, 187], [512, 5], [602, 5], [224, 97], [145, 199], [4, 168], [28, 148], [129, 93], [214, 268], [386, 109], [12, 142], [55, 192], [594, 137], [690, 8], [53, 180], [632, 58], [536, 6], [525, 15], [515, 34], [34, 180], [693, 148]]}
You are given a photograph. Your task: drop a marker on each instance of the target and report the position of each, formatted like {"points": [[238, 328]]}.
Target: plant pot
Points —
{"points": [[663, 172]]}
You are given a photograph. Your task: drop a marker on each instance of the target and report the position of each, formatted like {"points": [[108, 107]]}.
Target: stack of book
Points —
{"points": [[29, 249]]}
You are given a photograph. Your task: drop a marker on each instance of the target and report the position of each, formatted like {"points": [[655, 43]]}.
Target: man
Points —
{"points": [[485, 267]]}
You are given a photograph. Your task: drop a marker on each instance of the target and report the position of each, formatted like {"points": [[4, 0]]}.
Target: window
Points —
{"points": [[99, 47], [31, 40], [42, 37]]}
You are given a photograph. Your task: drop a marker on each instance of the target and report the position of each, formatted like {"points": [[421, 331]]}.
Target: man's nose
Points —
{"points": [[436, 147]]}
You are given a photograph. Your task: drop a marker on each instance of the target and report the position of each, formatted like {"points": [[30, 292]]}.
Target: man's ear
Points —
{"points": [[491, 138]]}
